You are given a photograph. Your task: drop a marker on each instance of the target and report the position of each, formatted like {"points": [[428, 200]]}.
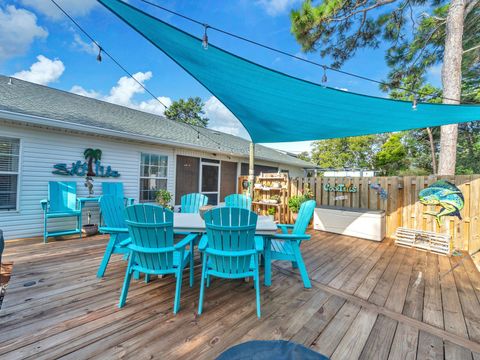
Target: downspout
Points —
{"points": [[251, 168]]}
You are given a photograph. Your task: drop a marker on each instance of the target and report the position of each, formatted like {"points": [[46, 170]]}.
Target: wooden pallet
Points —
{"points": [[424, 240]]}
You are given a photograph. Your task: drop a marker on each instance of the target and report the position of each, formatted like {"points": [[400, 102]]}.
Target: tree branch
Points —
{"points": [[364, 11], [472, 48], [470, 6]]}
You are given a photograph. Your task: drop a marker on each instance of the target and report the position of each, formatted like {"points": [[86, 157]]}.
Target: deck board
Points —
{"points": [[368, 300]]}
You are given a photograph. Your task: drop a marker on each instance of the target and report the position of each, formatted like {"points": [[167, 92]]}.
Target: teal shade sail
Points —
{"points": [[276, 107]]}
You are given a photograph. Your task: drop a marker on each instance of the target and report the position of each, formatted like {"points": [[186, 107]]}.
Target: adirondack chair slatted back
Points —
{"points": [[191, 203], [62, 196], [231, 233], [238, 200], [113, 188], [304, 216], [113, 211], [151, 226]]}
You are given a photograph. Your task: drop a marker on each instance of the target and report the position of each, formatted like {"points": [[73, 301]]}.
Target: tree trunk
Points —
{"points": [[452, 82], [432, 150]]}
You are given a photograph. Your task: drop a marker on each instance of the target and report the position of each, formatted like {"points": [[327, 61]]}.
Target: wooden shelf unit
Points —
{"points": [[267, 191]]}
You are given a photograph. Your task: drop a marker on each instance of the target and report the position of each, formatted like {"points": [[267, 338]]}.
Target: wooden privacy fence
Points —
{"points": [[400, 202]]}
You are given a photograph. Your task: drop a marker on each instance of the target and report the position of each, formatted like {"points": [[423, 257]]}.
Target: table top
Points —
{"points": [[194, 223], [89, 199]]}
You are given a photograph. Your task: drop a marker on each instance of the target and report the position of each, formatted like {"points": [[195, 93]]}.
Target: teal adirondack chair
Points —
{"points": [[191, 203], [116, 189], [230, 249], [286, 246], [113, 211], [238, 200], [152, 247], [61, 203]]}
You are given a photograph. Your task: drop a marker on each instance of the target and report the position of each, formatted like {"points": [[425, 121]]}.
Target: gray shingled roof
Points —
{"points": [[32, 99]]}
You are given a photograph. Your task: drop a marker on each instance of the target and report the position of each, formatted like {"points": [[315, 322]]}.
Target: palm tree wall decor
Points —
{"points": [[92, 155]]}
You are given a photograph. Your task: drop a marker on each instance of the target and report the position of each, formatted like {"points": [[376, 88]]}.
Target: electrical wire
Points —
{"points": [[282, 52], [102, 49]]}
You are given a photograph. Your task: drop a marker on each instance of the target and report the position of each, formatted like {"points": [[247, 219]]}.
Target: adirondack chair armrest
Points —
{"points": [[125, 242], [285, 227], [291, 237], [112, 230], [203, 243], [145, 250], [259, 244], [44, 204], [185, 241]]}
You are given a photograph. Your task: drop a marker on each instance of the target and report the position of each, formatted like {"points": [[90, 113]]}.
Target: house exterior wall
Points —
{"points": [[41, 148]]}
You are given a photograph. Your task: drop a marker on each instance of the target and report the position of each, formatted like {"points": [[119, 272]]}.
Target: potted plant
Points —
{"points": [[294, 205], [271, 213], [163, 197], [296, 201], [89, 229]]}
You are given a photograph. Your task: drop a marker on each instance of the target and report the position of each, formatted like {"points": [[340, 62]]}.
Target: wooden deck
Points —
{"points": [[369, 300]]}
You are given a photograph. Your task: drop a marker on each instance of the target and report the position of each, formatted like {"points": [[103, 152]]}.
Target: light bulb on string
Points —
{"points": [[198, 135], [414, 103], [99, 56], [205, 37], [324, 77]]}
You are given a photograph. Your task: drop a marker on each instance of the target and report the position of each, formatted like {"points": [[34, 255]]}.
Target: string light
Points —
{"points": [[99, 56], [414, 103], [324, 77], [205, 37]]}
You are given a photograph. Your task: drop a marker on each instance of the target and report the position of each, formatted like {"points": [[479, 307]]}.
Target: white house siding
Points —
{"points": [[42, 148]]}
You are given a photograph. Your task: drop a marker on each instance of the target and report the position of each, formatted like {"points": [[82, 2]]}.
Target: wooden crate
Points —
{"points": [[425, 240]]}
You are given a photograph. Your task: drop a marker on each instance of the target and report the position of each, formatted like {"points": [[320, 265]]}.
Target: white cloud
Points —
{"points": [[126, 88], [18, 30], [76, 89], [43, 72], [124, 91], [221, 119], [89, 48], [72, 7], [276, 7], [154, 107]]}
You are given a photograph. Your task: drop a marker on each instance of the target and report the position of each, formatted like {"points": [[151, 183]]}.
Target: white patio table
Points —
{"points": [[194, 223]]}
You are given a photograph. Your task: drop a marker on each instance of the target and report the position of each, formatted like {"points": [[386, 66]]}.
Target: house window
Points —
{"points": [[9, 165], [153, 175]]}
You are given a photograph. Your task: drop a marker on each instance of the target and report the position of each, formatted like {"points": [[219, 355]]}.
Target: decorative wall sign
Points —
{"points": [[90, 167], [380, 191], [444, 194], [340, 188], [80, 169]]}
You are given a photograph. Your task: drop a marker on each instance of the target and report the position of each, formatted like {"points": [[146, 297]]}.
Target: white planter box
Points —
{"points": [[361, 223]]}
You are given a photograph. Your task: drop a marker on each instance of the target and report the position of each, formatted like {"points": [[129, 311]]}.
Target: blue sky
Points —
{"points": [[39, 44]]}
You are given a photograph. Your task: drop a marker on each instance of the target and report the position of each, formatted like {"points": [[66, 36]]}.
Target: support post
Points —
{"points": [[251, 168]]}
